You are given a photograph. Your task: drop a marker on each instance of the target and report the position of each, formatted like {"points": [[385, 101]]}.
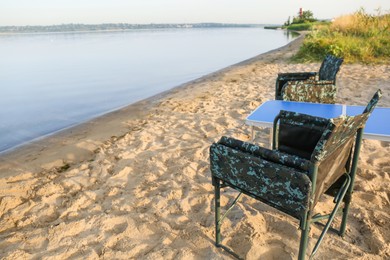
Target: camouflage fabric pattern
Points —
{"points": [[332, 150], [310, 91], [374, 100], [328, 71], [299, 119], [283, 78], [267, 154], [332, 168], [336, 132], [282, 187], [340, 129], [282, 180], [329, 68], [297, 76]]}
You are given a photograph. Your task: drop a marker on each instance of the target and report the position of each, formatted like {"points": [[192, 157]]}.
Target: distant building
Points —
{"points": [[300, 12]]}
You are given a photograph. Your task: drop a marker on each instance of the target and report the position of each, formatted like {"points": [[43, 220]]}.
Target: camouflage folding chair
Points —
{"points": [[310, 86], [310, 156]]}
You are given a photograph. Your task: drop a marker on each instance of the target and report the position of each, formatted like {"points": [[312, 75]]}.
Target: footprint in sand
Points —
{"points": [[272, 250]]}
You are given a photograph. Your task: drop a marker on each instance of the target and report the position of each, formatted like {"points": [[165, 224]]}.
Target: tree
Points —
{"points": [[305, 17], [308, 16]]}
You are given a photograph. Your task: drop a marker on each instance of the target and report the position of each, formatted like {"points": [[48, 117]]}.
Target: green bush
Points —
{"points": [[308, 26], [300, 27], [357, 38]]}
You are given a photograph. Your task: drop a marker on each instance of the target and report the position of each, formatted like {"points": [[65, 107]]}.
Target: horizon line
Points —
{"points": [[151, 23]]}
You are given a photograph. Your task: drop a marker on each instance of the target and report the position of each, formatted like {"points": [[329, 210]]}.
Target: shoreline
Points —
{"points": [[136, 184], [95, 131]]}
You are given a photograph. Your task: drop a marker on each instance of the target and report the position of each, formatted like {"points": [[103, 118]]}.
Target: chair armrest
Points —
{"points": [[283, 78], [296, 75], [285, 188], [316, 91], [267, 154]]}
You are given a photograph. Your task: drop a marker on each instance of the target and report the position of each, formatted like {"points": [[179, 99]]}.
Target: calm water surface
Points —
{"points": [[49, 82]]}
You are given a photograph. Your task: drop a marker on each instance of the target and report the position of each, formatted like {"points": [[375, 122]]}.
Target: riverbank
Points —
{"points": [[136, 183]]}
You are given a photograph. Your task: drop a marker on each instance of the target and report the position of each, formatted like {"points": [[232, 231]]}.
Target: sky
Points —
{"points": [[47, 12]]}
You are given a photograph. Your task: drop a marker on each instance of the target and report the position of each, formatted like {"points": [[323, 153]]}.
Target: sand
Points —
{"points": [[135, 184]]}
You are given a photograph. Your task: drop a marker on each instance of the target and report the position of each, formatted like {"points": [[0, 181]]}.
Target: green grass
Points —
{"points": [[306, 26], [300, 27], [358, 38]]}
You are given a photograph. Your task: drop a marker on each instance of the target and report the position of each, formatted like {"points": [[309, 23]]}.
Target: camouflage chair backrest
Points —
{"points": [[339, 129], [374, 100], [333, 148], [326, 142], [329, 68]]}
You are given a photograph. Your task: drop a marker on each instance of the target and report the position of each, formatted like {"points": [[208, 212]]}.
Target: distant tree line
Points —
{"points": [[110, 26]]}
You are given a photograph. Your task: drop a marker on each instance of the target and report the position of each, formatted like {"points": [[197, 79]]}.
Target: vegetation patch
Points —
{"points": [[304, 21], [358, 38]]}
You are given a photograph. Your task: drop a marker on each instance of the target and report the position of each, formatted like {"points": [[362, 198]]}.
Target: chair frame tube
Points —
{"points": [[356, 153]]}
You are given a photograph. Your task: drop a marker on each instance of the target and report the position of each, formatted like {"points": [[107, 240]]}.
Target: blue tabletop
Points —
{"points": [[378, 124], [377, 127]]}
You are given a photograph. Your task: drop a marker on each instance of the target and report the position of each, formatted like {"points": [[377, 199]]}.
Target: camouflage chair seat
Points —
{"points": [[310, 86], [310, 156]]}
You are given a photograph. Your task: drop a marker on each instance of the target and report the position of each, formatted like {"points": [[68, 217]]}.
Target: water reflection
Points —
{"points": [[291, 34]]}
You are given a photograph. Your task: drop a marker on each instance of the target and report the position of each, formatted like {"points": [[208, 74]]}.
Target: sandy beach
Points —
{"points": [[135, 183]]}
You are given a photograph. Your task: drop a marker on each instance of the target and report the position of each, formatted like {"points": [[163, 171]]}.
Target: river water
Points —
{"points": [[49, 82]]}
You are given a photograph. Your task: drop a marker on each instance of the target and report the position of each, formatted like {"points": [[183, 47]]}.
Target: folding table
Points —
{"points": [[377, 126]]}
